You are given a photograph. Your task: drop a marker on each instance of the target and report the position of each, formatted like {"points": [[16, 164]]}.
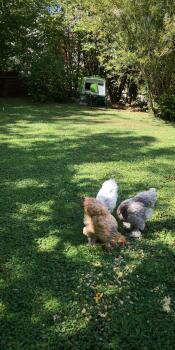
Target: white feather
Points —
{"points": [[108, 194]]}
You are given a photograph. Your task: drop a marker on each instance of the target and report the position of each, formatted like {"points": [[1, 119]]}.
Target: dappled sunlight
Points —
{"points": [[50, 303], [47, 244], [3, 309], [26, 183], [69, 327], [55, 288], [36, 209]]}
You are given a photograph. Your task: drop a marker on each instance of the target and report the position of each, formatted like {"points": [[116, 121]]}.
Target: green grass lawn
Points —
{"points": [[51, 156]]}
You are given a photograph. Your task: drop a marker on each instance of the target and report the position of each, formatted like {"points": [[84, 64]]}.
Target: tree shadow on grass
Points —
{"points": [[52, 113], [132, 315]]}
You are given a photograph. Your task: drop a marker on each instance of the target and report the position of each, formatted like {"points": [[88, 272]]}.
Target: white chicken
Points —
{"points": [[108, 194]]}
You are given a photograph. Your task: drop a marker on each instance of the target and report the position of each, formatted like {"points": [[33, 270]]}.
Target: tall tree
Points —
{"points": [[140, 34]]}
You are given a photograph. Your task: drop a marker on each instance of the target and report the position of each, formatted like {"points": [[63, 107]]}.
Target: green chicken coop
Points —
{"points": [[93, 91]]}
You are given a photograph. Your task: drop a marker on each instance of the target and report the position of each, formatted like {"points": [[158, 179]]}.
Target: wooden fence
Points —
{"points": [[11, 85]]}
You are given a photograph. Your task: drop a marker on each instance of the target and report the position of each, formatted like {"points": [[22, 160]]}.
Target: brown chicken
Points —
{"points": [[100, 225]]}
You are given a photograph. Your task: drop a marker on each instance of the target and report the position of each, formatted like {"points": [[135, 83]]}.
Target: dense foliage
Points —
{"points": [[53, 43], [166, 107]]}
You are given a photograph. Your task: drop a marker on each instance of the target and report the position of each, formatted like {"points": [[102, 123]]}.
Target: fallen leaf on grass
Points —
{"points": [[55, 317], [120, 274], [98, 297], [102, 315], [166, 304], [97, 264], [111, 286], [88, 318], [141, 253]]}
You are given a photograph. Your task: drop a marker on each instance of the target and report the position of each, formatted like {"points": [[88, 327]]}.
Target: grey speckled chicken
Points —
{"points": [[134, 212]]}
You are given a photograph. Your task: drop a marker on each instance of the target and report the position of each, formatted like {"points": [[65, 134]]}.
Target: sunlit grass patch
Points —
{"points": [[47, 244]]}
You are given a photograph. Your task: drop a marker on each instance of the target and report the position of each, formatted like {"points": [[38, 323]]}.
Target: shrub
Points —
{"points": [[46, 81], [166, 107]]}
